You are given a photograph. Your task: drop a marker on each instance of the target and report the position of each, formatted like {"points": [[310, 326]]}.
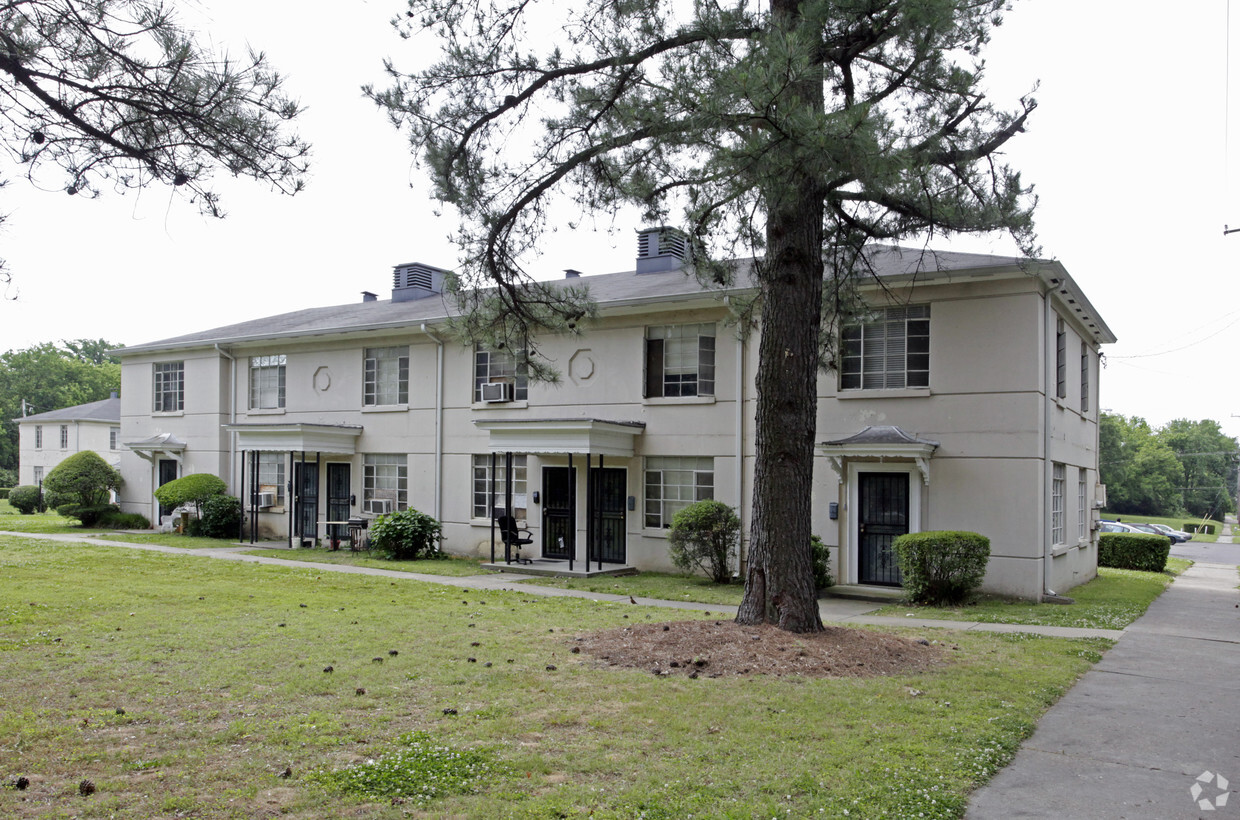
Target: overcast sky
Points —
{"points": [[1127, 151]]}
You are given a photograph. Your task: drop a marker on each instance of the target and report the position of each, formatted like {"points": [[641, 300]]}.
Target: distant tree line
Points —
{"points": [[51, 376], [1182, 467]]}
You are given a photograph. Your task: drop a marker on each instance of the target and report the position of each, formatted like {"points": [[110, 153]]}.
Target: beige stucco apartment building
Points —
{"points": [[46, 439], [967, 400]]}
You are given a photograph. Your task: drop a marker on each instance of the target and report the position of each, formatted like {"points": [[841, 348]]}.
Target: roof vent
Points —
{"points": [[367, 296], [415, 281], [661, 249], [569, 273]]}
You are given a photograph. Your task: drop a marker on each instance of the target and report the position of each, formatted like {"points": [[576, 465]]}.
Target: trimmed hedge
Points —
{"points": [[941, 567], [405, 535], [704, 536], [125, 521], [1197, 526], [25, 499], [4, 492], [1133, 550]]}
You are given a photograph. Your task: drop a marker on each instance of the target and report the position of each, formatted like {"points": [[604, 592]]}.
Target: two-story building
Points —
{"points": [[967, 399], [46, 439]]}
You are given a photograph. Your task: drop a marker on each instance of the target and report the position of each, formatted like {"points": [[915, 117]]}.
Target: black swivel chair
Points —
{"points": [[514, 538]]}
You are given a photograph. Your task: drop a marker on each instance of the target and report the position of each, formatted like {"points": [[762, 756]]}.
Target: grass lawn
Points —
{"points": [[428, 566], [1113, 600], [184, 687], [660, 585]]}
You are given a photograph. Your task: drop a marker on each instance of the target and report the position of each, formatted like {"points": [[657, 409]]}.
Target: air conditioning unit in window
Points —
{"points": [[380, 506], [494, 392], [266, 499]]}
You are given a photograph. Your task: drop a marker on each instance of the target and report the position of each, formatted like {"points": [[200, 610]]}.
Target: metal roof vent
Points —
{"points": [[367, 296], [661, 249], [415, 281]]}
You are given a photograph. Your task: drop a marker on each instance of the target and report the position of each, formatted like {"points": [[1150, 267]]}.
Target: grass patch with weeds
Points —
{"points": [[216, 688], [447, 565], [663, 586], [1113, 600], [419, 769]]}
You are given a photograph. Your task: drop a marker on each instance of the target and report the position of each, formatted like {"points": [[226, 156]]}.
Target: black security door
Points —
{"points": [[883, 499], [306, 488], [338, 499], [609, 515], [558, 528], [167, 472]]}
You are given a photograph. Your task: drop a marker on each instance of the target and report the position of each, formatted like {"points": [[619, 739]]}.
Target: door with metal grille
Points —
{"points": [[558, 528], [338, 500], [609, 514], [883, 515], [306, 511]]}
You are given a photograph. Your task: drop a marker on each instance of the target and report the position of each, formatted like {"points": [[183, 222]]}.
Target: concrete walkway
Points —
{"points": [[1155, 718], [833, 610]]}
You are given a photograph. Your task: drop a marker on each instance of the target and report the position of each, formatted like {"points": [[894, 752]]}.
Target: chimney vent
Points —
{"points": [[569, 273], [661, 249], [415, 280], [367, 296]]}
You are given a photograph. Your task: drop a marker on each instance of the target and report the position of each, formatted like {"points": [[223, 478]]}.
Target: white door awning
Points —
{"points": [[881, 442], [297, 437], [561, 436]]}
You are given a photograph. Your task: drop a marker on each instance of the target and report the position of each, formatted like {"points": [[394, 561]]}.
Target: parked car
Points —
{"points": [[1115, 526], [1176, 536]]}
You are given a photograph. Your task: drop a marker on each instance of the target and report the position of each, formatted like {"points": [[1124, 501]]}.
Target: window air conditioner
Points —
{"points": [[493, 392], [266, 499], [1100, 496], [381, 506]]}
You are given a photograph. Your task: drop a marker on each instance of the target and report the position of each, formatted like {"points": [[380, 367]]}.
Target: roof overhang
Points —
{"points": [[297, 437], [162, 445], [561, 436], [881, 443]]}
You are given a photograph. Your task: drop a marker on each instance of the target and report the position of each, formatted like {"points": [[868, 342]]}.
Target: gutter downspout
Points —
{"points": [[438, 420], [232, 412]]}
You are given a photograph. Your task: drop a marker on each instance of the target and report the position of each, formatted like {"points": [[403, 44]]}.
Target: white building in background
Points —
{"points": [[967, 400], [46, 439]]}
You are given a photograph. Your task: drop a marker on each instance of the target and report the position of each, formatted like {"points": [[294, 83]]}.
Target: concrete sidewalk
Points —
{"points": [[1156, 717]]}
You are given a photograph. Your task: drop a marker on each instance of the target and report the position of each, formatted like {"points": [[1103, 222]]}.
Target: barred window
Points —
{"points": [[385, 479], [386, 376], [1057, 512], [680, 360], [169, 381], [267, 382], [889, 349], [673, 483], [482, 485]]}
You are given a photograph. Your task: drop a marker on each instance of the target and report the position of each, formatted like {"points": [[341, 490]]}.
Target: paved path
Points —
{"points": [[835, 610], [1131, 739]]}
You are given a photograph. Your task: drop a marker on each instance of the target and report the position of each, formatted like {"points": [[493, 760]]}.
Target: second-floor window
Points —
{"points": [[114, 437], [1061, 360], [64, 437], [385, 379], [1084, 377], [169, 381], [888, 350], [38, 437], [267, 382], [499, 366], [680, 361]]}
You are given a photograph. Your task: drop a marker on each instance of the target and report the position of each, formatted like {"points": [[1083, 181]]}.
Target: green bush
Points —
{"points": [[125, 521], [4, 492], [822, 563], [8, 478], [88, 514], [941, 567], [1197, 526], [25, 499], [82, 480], [704, 536], [406, 534], [1133, 550], [194, 488], [220, 517]]}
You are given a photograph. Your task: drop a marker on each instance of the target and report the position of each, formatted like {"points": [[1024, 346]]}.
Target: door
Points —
{"points": [[610, 484], [306, 508], [167, 472], [338, 506], [558, 528], [883, 515]]}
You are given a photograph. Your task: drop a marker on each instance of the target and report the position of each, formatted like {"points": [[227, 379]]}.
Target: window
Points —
{"points": [[1084, 377], [673, 483], [680, 361], [169, 387], [888, 350], [1061, 360], [267, 382], [385, 483], [64, 437], [482, 485], [386, 376], [497, 366], [1082, 509], [1057, 490], [38, 475], [271, 475], [114, 437], [38, 437]]}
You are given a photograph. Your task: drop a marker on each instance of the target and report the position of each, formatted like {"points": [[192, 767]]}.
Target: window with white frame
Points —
{"points": [[385, 480], [1057, 512], [385, 376], [267, 382], [64, 437], [169, 384], [38, 437], [887, 350], [38, 475], [1084, 377], [482, 485], [114, 438], [1061, 359], [680, 361], [675, 482], [271, 475], [500, 367], [1082, 509]]}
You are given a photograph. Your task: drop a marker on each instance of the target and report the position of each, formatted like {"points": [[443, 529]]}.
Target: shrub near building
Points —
{"points": [[941, 567], [80, 487], [1133, 550]]}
